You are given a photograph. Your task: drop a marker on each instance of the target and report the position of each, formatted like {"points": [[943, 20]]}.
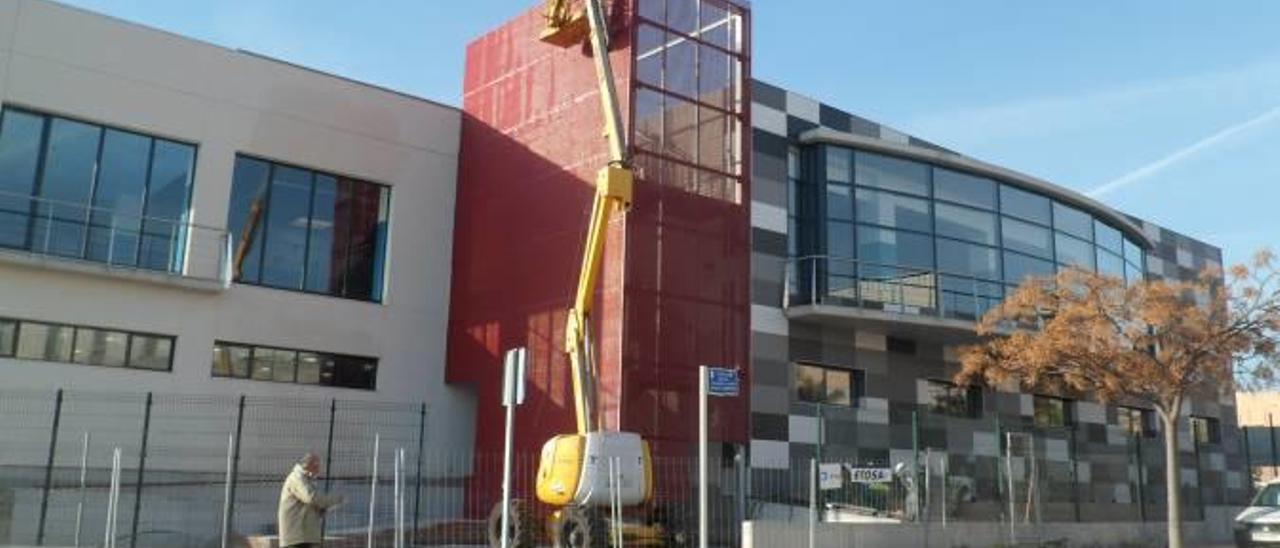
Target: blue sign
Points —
{"points": [[722, 382]]}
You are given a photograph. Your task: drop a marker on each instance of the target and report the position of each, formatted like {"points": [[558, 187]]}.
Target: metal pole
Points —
{"points": [[928, 484], [48, 467], [704, 474], [1008, 469], [113, 501], [373, 488], [1248, 463], [508, 440], [417, 476], [229, 524], [1075, 473], [1142, 489], [226, 494], [84, 468], [1271, 428], [915, 460], [813, 503], [328, 464], [142, 467], [399, 494], [1195, 444], [944, 490]]}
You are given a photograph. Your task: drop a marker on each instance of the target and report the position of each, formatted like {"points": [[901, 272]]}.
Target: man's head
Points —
{"points": [[310, 463]]}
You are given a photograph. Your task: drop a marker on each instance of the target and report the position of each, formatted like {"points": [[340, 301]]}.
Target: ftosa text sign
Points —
{"points": [[722, 382], [870, 475]]}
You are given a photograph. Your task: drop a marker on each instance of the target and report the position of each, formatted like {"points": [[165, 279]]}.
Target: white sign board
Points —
{"points": [[513, 377], [870, 475], [830, 477]]}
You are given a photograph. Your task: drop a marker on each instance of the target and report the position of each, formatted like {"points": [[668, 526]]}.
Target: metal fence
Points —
{"points": [[1262, 450], [193, 469]]}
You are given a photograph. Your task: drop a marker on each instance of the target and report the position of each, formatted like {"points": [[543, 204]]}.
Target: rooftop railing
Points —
{"points": [[113, 238]]}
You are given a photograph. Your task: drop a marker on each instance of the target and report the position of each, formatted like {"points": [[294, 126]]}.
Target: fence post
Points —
{"points": [[84, 470], [1075, 473], [1271, 428], [142, 467], [229, 523], [328, 463], [226, 494], [373, 487], [48, 467], [1248, 463], [417, 477]]}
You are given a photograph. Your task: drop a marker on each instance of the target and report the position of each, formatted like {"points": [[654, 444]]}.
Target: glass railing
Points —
{"points": [[79, 232], [838, 281]]}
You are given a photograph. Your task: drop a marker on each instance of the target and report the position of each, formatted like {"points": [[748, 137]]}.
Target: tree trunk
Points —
{"points": [[1172, 477]]}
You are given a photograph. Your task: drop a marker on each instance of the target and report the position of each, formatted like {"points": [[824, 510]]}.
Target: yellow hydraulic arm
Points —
{"points": [[565, 28]]}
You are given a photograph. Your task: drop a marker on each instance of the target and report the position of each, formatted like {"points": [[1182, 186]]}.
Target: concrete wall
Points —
{"points": [[1216, 528], [62, 60]]}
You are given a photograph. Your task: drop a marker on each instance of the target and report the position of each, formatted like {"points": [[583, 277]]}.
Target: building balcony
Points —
{"points": [[897, 300], [39, 232]]}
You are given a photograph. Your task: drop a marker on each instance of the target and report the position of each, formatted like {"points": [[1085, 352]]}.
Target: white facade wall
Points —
{"points": [[62, 60]]}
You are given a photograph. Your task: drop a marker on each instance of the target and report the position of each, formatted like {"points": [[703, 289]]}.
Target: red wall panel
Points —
{"points": [[675, 286]]}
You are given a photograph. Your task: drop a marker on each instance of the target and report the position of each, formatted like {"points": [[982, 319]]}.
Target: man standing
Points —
{"points": [[302, 507]]}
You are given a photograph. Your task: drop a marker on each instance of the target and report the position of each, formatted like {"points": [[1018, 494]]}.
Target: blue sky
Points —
{"points": [[1170, 109]]}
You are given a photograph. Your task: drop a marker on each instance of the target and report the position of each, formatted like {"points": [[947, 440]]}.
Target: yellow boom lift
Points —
{"points": [[582, 474]]}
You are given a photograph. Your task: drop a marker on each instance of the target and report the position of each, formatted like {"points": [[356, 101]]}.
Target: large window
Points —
{"points": [[263, 363], [1051, 412], [943, 241], [1135, 421], [308, 231], [949, 399], [87, 191], [1205, 430], [825, 385], [52, 342]]}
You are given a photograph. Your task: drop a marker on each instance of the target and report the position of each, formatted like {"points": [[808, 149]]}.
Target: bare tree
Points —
{"points": [[1155, 343]]}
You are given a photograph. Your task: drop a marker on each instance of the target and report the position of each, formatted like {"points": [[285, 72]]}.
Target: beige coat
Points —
{"points": [[301, 507]]}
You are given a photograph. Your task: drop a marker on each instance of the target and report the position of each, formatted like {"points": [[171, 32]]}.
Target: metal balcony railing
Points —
{"points": [[44, 227], [839, 281]]}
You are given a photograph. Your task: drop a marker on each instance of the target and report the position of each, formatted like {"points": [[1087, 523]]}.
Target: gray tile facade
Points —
{"points": [[879, 429]]}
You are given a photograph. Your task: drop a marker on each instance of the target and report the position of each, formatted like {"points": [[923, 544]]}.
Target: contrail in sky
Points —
{"points": [[1183, 153]]}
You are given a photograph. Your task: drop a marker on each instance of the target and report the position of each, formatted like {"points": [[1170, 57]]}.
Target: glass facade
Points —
{"points": [[304, 230], [907, 236], [689, 113], [90, 192], [51, 342], [261, 363]]}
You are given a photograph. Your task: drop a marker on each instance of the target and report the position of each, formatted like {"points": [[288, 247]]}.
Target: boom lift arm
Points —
{"points": [[613, 194]]}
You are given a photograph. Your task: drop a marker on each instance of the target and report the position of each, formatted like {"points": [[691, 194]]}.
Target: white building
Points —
{"points": [[106, 113]]}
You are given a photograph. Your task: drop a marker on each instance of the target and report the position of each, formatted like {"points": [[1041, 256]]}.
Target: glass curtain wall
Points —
{"points": [[907, 236]]}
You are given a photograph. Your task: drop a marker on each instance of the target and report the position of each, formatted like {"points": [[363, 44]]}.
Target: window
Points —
{"points": [[1107, 237], [8, 332], [308, 231], [899, 345], [968, 259], [965, 224], [1052, 412], [242, 361], [1024, 205], [1074, 252], [890, 173], [87, 191], [825, 385], [838, 165], [894, 248], [1026, 238], [964, 189], [43, 341], [1072, 221], [1136, 421], [1019, 267], [1110, 264], [892, 210], [1132, 252], [1205, 430], [839, 202], [949, 399]]}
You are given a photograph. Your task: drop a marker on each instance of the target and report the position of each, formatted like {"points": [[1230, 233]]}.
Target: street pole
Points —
{"points": [[1271, 427], [512, 395], [48, 468], [704, 476], [813, 503]]}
